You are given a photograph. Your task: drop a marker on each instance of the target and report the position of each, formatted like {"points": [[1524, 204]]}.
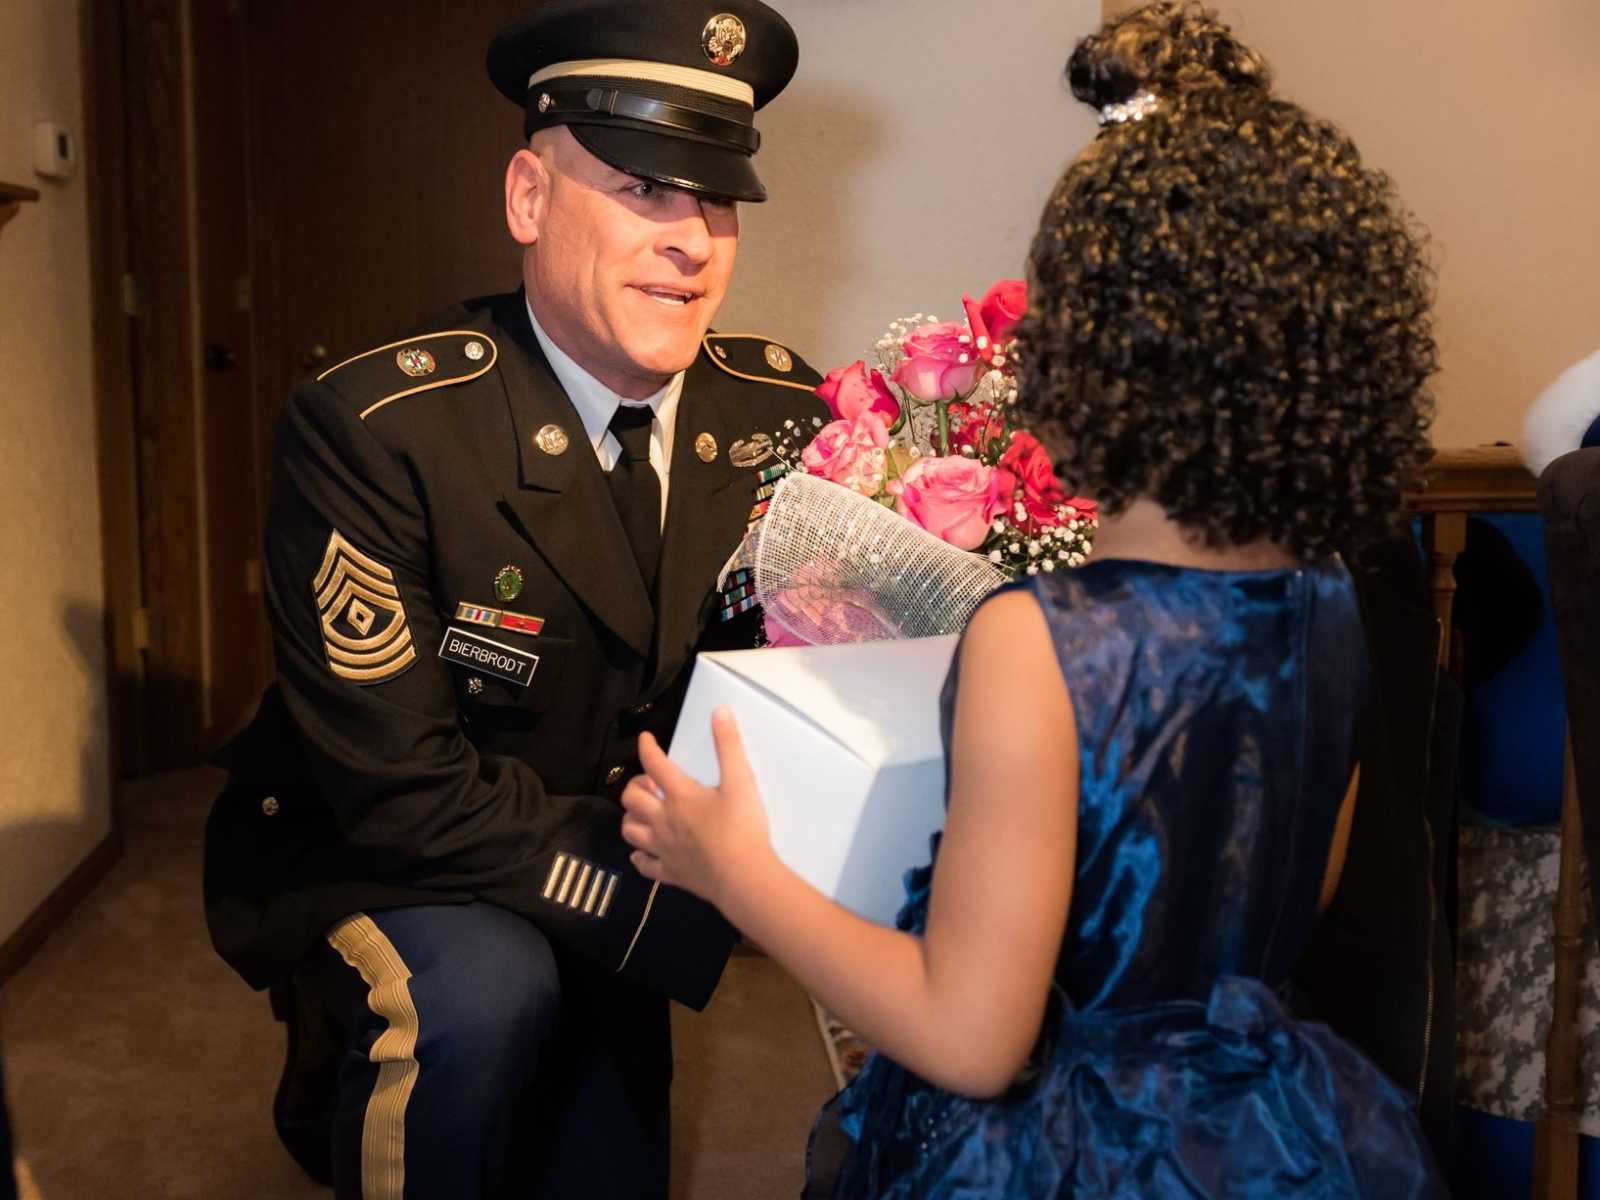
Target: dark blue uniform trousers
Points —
{"points": [[481, 1063]]}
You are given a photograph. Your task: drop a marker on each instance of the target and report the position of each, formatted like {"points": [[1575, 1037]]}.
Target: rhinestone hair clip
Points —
{"points": [[1135, 108]]}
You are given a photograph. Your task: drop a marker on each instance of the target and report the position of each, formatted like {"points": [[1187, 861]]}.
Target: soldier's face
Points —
{"points": [[625, 273]]}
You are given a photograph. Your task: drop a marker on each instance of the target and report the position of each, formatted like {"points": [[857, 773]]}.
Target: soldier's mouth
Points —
{"points": [[669, 297]]}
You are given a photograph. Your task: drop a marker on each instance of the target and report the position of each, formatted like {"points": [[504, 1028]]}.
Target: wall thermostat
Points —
{"points": [[55, 151]]}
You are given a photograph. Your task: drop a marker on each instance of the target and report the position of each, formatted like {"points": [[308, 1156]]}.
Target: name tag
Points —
{"points": [[492, 658]]}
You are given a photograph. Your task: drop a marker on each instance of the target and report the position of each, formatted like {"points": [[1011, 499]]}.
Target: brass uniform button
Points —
{"points": [[615, 775], [779, 359], [552, 439], [270, 806]]}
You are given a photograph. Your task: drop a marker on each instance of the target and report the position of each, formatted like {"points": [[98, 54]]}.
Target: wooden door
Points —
{"points": [[379, 149], [346, 184]]}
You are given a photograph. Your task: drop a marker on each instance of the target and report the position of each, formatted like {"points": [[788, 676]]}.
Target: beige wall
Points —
{"points": [[907, 163], [54, 791], [1487, 115]]}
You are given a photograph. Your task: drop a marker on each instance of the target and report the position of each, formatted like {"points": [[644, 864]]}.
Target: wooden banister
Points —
{"points": [[1457, 484]]}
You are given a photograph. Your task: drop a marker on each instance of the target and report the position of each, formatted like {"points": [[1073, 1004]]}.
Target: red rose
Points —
{"points": [[1042, 493], [975, 425], [994, 319], [1003, 308]]}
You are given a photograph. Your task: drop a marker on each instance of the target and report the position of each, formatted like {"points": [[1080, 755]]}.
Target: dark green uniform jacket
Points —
{"points": [[444, 729]]}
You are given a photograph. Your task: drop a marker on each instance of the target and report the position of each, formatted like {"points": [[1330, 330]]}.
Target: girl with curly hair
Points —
{"points": [[1151, 760]]}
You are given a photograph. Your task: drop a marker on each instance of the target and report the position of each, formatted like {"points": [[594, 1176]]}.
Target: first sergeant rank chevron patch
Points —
{"points": [[364, 631]]}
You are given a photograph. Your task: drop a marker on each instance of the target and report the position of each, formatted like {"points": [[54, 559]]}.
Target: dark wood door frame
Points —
{"points": [[167, 135], [106, 184]]}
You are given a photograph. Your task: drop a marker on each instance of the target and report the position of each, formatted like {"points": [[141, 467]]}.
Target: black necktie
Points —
{"points": [[636, 488]]}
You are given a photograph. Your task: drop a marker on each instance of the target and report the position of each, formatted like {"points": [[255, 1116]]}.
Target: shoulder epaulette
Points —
{"points": [[756, 357], [418, 364]]}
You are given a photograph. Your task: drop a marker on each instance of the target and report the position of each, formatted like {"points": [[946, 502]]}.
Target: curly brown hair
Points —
{"points": [[1228, 311]]}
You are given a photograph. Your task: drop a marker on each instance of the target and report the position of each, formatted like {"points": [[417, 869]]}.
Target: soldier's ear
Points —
{"points": [[527, 196]]}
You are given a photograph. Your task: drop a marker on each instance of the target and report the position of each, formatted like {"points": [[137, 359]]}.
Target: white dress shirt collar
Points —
{"points": [[597, 404]]}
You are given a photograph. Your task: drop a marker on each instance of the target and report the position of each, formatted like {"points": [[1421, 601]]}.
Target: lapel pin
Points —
{"points": [[416, 362], [508, 584], [706, 447], [552, 439]]}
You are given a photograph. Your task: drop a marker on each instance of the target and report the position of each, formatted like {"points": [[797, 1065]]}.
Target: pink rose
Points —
{"points": [[953, 497], [939, 365], [779, 634], [850, 453], [850, 391], [1028, 463], [1003, 307]]}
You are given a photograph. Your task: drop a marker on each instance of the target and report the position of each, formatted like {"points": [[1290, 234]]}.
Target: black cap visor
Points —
{"points": [[681, 162]]}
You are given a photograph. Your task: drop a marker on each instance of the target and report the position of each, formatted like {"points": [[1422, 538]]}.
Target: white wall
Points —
{"points": [[908, 162], [55, 802], [1487, 115]]}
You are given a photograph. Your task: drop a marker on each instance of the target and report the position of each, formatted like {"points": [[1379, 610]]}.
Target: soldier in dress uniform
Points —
{"points": [[493, 549]]}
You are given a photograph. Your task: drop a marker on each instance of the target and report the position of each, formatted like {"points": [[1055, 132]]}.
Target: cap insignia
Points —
{"points": [[416, 362], [724, 39]]}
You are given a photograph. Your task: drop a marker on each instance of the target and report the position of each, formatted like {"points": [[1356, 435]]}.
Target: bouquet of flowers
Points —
{"points": [[930, 433]]}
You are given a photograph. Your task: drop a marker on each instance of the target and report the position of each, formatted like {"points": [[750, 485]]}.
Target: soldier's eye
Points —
{"points": [[645, 189]]}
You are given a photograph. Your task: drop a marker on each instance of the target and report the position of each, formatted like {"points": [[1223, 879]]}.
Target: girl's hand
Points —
{"points": [[695, 837]]}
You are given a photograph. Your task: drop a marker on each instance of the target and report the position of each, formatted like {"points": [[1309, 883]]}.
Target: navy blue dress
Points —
{"points": [[1216, 721]]}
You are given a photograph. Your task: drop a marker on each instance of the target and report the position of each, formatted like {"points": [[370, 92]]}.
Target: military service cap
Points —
{"points": [[662, 89]]}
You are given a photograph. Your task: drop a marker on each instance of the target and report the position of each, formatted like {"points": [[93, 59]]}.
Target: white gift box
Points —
{"points": [[844, 742]]}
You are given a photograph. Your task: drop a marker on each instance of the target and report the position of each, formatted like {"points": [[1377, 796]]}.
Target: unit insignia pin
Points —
{"points": [[474, 686], [552, 439], [473, 350], [724, 39], [545, 102], [706, 447], [416, 362], [508, 583], [778, 358], [721, 353], [751, 451]]}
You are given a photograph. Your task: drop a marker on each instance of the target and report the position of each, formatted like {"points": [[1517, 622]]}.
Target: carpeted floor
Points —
{"points": [[139, 1065]]}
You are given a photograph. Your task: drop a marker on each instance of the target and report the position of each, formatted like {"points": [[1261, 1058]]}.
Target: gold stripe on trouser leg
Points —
{"points": [[383, 1133]]}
